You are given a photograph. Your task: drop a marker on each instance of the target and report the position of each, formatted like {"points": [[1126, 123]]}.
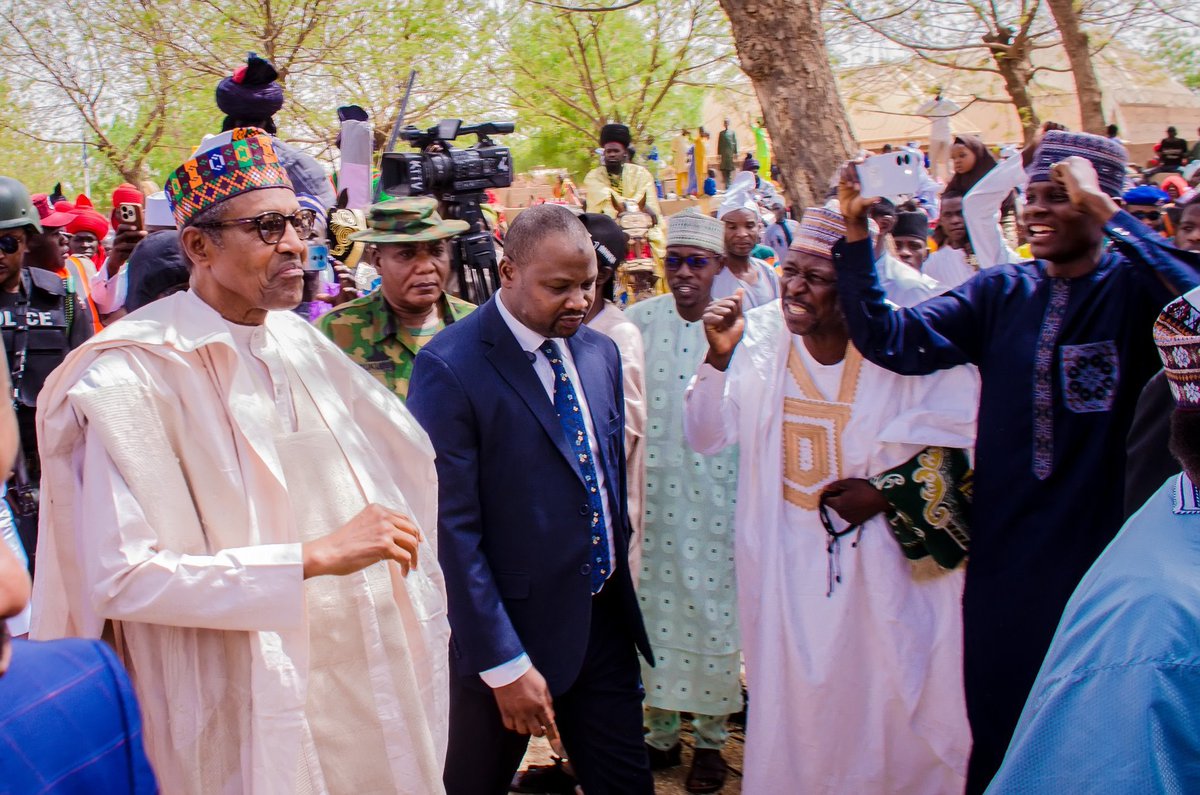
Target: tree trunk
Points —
{"points": [[1087, 85], [1012, 61], [803, 111]]}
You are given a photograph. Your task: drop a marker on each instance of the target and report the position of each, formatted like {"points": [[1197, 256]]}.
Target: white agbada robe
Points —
{"points": [[185, 540], [860, 690]]}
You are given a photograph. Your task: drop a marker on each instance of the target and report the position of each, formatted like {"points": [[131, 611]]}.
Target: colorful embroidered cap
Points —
{"points": [[411, 220], [1177, 335], [820, 228], [1107, 156], [244, 163], [691, 227]]}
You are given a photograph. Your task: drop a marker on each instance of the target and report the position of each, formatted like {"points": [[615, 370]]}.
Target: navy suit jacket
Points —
{"points": [[513, 518], [69, 722]]}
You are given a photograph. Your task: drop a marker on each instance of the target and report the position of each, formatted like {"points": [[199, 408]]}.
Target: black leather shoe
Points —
{"points": [[661, 760], [708, 771], [544, 780]]}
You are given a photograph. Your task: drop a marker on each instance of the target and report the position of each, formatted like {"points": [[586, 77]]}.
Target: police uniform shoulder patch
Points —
{"points": [[47, 281]]}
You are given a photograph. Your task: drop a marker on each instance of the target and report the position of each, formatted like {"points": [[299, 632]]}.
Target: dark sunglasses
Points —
{"points": [[272, 225], [1147, 215], [694, 262], [9, 244]]}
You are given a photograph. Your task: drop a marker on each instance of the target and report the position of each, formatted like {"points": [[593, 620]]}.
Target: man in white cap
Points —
{"points": [[853, 642], [742, 221], [686, 587]]}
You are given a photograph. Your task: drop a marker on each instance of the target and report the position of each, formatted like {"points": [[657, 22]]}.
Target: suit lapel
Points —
{"points": [[515, 368]]}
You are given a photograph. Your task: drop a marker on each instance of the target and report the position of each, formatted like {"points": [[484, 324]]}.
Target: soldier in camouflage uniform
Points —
{"points": [[409, 243]]}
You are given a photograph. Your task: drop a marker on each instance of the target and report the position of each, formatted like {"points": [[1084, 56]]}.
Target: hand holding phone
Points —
{"points": [[892, 174], [130, 213]]}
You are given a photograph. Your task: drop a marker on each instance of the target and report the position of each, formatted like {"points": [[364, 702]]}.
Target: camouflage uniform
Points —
{"points": [[367, 330]]}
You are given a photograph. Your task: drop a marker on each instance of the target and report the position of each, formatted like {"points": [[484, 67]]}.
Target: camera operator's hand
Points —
{"points": [[346, 290]]}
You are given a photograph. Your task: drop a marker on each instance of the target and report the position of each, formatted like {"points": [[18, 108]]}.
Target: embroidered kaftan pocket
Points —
{"points": [[1089, 376]]}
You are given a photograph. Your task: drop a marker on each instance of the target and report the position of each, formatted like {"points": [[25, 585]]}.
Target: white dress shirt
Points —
{"points": [[109, 292], [531, 342]]}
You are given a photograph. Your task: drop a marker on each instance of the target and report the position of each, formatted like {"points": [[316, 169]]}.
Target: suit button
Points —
{"points": [[584, 510], [585, 568]]}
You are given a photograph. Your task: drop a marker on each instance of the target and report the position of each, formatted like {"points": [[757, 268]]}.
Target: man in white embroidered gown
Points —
{"points": [[853, 653], [249, 517]]}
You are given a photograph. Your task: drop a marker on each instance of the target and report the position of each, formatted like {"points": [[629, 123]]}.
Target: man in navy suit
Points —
{"points": [[524, 407]]}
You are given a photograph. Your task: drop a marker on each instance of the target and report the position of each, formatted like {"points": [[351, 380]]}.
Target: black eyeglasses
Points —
{"points": [[9, 244], [271, 226], [1147, 215], [694, 262]]}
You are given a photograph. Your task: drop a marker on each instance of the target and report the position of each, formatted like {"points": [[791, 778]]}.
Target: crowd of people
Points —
{"points": [[903, 484]]}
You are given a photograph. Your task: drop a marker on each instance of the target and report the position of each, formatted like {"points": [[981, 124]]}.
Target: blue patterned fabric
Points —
{"points": [[1113, 709], [1107, 156], [69, 723], [1032, 537], [1089, 375], [566, 405]]}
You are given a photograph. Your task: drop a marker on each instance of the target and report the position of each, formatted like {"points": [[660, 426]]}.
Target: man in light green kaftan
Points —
{"points": [[687, 582]]}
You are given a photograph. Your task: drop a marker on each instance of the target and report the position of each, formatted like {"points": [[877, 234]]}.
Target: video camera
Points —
{"points": [[458, 179]]}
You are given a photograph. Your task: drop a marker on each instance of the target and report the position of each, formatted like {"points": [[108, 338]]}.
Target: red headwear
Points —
{"points": [[56, 219], [86, 219]]}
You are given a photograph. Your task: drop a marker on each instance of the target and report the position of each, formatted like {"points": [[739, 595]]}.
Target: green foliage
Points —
{"points": [[568, 74], [1178, 49]]}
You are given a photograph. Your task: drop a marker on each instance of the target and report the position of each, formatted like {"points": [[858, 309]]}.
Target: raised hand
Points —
{"points": [[854, 206], [724, 325], [1078, 177]]}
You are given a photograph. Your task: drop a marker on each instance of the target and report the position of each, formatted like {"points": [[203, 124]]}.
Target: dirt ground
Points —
{"points": [[669, 782]]}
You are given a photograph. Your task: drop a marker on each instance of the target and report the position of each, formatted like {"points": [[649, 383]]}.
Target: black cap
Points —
{"points": [[911, 225], [607, 238]]}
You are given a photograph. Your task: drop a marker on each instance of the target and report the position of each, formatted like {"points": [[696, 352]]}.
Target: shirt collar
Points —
{"points": [[1187, 497], [529, 340]]}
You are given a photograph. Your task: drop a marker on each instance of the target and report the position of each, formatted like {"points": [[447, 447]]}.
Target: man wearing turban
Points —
{"points": [[251, 97], [617, 186]]}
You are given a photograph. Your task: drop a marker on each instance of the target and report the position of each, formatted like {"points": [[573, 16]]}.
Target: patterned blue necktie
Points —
{"points": [[566, 404]]}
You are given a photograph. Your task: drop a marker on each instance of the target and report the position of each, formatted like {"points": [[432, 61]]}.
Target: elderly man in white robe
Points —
{"points": [[851, 628], [248, 516]]}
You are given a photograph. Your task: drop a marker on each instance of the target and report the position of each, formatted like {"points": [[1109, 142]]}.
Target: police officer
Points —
{"points": [[41, 321]]}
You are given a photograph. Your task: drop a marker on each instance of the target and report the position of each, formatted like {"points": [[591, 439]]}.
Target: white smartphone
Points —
{"points": [[893, 174]]}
